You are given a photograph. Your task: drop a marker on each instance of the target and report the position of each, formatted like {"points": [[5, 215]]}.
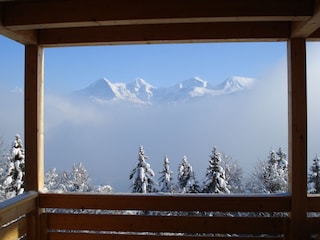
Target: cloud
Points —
{"points": [[106, 138], [313, 89]]}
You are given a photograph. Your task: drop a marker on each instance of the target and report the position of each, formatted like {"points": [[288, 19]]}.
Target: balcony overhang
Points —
{"points": [[99, 22]]}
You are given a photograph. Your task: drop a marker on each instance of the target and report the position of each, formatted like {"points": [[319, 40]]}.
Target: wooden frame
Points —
{"points": [[38, 24]]}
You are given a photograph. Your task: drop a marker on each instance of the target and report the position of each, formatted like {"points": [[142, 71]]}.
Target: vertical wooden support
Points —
{"points": [[34, 117], [34, 145], [297, 94]]}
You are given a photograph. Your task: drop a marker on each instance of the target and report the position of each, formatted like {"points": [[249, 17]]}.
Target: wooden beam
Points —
{"points": [[297, 136], [21, 15], [163, 33], [315, 36], [22, 36], [306, 28], [146, 202], [34, 117]]}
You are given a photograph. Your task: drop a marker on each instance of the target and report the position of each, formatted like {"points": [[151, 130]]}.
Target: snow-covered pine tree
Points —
{"points": [[142, 175], [215, 178], [271, 176], [165, 179], [3, 168], [314, 176], [76, 180], [51, 180], [233, 173], [14, 180], [187, 182], [79, 179]]}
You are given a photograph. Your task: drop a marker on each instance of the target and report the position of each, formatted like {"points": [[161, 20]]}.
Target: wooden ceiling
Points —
{"points": [[52, 23]]}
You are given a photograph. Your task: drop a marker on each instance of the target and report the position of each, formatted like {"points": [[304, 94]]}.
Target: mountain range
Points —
{"points": [[141, 92]]}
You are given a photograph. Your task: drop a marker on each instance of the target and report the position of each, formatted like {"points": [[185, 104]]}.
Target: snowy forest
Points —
{"points": [[223, 175]]}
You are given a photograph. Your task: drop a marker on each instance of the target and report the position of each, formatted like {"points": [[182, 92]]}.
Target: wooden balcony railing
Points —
{"points": [[150, 217], [155, 217], [17, 218]]}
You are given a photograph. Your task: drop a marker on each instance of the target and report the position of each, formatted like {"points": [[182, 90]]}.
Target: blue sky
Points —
{"points": [[160, 65], [69, 69], [245, 128]]}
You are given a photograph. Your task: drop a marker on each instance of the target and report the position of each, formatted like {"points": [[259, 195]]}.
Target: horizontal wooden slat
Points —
{"points": [[174, 224], [79, 13], [22, 36], [15, 230], [160, 33], [304, 29], [190, 202], [314, 225], [92, 236], [17, 206], [313, 203]]}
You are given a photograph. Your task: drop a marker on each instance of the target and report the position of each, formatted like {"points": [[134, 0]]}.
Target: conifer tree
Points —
{"points": [[314, 176], [79, 179], [3, 168], [271, 176], [165, 179], [76, 180], [233, 173], [14, 180], [187, 182], [142, 175], [215, 178]]}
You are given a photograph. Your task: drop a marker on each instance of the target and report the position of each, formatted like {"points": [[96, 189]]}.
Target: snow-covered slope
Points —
{"points": [[141, 89], [235, 84], [141, 92]]}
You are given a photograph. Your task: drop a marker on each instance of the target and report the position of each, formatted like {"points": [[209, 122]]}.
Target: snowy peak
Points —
{"points": [[100, 88], [104, 90], [141, 92], [141, 89], [192, 83], [234, 84]]}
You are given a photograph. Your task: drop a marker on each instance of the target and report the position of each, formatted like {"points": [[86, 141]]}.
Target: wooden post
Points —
{"points": [[297, 94], [34, 117], [34, 145]]}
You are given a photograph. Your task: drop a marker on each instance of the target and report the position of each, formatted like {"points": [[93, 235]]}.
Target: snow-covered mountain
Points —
{"points": [[141, 92]]}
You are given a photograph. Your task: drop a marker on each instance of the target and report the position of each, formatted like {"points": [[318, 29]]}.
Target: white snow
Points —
{"points": [[141, 92]]}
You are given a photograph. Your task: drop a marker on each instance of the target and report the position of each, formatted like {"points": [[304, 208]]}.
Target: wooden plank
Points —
{"points": [[20, 15], [161, 33], [92, 236], [305, 28], [34, 118], [43, 234], [179, 202], [297, 95], [17, 207], [14, 230], [314, 225], [314, 203], [171, 224], [34, 142], [22, 36], [315, 36]]}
